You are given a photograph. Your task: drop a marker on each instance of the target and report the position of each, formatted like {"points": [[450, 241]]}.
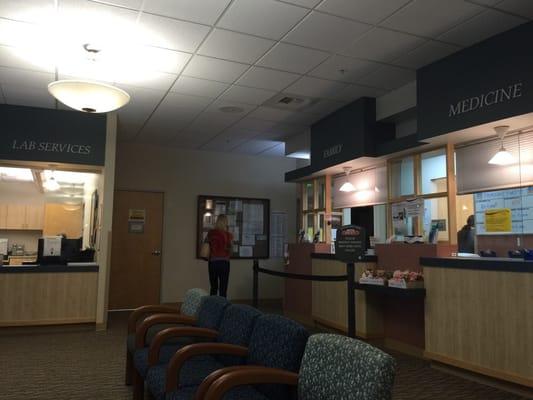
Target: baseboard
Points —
{"points": [[404, 348], [46, 322], [516, 389]]}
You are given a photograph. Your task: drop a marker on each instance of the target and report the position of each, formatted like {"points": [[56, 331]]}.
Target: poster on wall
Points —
{"points": [[498, 220], [403, 210]]}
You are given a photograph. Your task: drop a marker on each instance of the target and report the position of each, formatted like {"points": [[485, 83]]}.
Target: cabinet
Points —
{"points": [[21, 216]]}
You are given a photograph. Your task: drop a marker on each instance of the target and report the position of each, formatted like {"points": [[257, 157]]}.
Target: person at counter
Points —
{"points": [[466, 237]]}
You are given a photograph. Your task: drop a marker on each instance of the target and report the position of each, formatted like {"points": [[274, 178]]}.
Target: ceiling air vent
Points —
{"points": [[288, 101]]}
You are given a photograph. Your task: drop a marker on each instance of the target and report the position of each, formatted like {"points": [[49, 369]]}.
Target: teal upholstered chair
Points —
{"points": [[189, 308], [333, 367]]}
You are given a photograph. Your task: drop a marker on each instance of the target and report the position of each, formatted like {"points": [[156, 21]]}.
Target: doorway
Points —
{"points": [[136, 246]]}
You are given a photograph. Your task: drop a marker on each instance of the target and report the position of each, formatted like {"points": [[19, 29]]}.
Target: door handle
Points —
{"points": [[156, 252]]}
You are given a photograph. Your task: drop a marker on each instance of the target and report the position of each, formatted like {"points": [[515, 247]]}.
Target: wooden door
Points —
{"points": [[16, 216], [136, 249], [34, 217]]}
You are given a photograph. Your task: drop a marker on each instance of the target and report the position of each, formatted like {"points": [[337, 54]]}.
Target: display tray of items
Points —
{"points": [[398, 279]]}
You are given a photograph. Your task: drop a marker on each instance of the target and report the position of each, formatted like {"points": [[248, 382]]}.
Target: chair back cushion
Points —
{"points": [[236, 328], [277, 342], [191, 302], [211, 311], [337, 367]]}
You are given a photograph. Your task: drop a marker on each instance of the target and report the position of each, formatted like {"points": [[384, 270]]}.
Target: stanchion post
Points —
{"points": [[256, 283], [350, 272]]}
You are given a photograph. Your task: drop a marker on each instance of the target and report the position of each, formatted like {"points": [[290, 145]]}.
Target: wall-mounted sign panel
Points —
{"points": [[37, 134], [487, 82], [370, 189], [350, 245]]}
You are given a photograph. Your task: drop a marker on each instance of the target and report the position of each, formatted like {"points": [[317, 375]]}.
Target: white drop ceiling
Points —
{"points": [[199, 56]]}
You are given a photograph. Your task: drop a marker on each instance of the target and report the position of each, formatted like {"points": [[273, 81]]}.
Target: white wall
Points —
{"points": [[183, 175]]}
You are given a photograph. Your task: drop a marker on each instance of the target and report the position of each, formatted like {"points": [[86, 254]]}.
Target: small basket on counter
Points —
{"points": [[375, 277], [406, 280]]}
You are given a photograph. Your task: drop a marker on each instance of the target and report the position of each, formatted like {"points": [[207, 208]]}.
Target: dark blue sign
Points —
{"points": [[37, 134]]}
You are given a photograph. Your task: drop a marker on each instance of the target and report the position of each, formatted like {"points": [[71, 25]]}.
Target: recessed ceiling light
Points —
{"points": [[231, 109]]}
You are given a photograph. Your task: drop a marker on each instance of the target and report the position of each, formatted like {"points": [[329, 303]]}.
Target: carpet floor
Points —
{"points": [[77, 363]]}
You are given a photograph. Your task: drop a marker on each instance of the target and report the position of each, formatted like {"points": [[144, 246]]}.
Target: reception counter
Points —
{"points": [[479, 315], [48, 295]]}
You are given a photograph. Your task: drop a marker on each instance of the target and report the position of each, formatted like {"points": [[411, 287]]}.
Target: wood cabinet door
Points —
{"points": [[16, 216], [35, 217], [3, 216]]}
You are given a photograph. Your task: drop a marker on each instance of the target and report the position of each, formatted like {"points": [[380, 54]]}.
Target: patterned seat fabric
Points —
{"points": [[209, 316], [190, 306], [277, 342], [337, 367], [235, 328]]}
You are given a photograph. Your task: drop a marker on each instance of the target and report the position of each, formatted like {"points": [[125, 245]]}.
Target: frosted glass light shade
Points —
{"points": [[51, 185], [347, 187], [88, 96], [502, 157]]}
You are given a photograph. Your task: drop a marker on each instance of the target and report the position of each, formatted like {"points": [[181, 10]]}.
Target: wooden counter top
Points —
{"points": [[48, 268], [330, 256], [479, 263]]}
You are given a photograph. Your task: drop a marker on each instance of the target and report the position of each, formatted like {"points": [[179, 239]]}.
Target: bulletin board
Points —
{"points": [[248, 221]]}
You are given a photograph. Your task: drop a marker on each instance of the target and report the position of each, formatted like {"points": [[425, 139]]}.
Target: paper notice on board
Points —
{"points": [[278, 234], [232, 220], [220, 208], [498, 220], [234, 230], [248, 240], [246, 251], [252, 217]]}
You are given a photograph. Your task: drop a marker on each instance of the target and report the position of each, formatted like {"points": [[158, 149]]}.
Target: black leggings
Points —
{"points": [[218, 277]]}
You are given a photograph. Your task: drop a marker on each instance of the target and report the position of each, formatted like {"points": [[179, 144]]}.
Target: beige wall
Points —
{"points": [[183, 175]]}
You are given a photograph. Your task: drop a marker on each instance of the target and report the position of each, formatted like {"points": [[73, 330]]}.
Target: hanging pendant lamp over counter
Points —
{"points": [[502, 157], [89, 96], [347, 186]]}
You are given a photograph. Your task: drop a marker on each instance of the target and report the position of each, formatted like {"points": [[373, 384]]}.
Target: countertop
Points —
{"points": [[330, 256], [79, 267], [479, 263]]}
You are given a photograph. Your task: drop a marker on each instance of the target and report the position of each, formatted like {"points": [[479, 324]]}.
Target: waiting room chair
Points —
{"points": [[189, 308], [276, 342], [334, 367], [235, 329], [210, 314]]}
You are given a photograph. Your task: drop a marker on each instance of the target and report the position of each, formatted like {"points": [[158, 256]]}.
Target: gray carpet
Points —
{"points": [[76, 363]]}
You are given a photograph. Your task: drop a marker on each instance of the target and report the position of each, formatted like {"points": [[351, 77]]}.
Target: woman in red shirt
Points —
{"points": [[219, 240]]}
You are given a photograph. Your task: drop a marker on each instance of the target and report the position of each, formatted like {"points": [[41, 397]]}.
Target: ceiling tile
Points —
{"points": [[482, 26], [247, 95], [33, 10], [278, 115], [427, 53], [172, 34], [226, 141], [281, 130], [324, 107], [149, 79], [369, 11], [28, 96], [389, 77], [165, 60], [253, 124], [265, 78], [189, 140], [276, 151], [325, 32], [314, 87], [345, 69], [255, 146], [292, 58], [518, 7], [198, 87], [13, 76], [204, 12], [142, 103], [430, 18], [126, 131], [214, 69], [212, 122], [266, 18], [353, 92], [18, 58], [214, 109], [304, 3], [383, 45], [235, 46]]}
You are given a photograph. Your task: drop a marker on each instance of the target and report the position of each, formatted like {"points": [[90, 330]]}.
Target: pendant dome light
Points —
{"points": [[502, 157], [51, 184], [347, 186]]}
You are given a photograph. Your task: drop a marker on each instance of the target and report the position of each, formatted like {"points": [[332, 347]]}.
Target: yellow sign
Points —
{"points": [[498, 220], [136, 215]]}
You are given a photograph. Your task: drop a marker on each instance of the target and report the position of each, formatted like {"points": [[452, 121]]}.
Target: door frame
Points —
{"points": [[125, 189]]}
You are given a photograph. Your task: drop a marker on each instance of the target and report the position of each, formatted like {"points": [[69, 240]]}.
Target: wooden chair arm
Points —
{"points": [[138, 313], [204, 386], [165, 334], [249, 376], [191, 350], [142, 329]]}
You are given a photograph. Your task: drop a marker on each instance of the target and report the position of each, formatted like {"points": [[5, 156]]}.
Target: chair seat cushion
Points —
{"points": [[192, 373], [140, 357], [152, 331], [238, 393]]}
